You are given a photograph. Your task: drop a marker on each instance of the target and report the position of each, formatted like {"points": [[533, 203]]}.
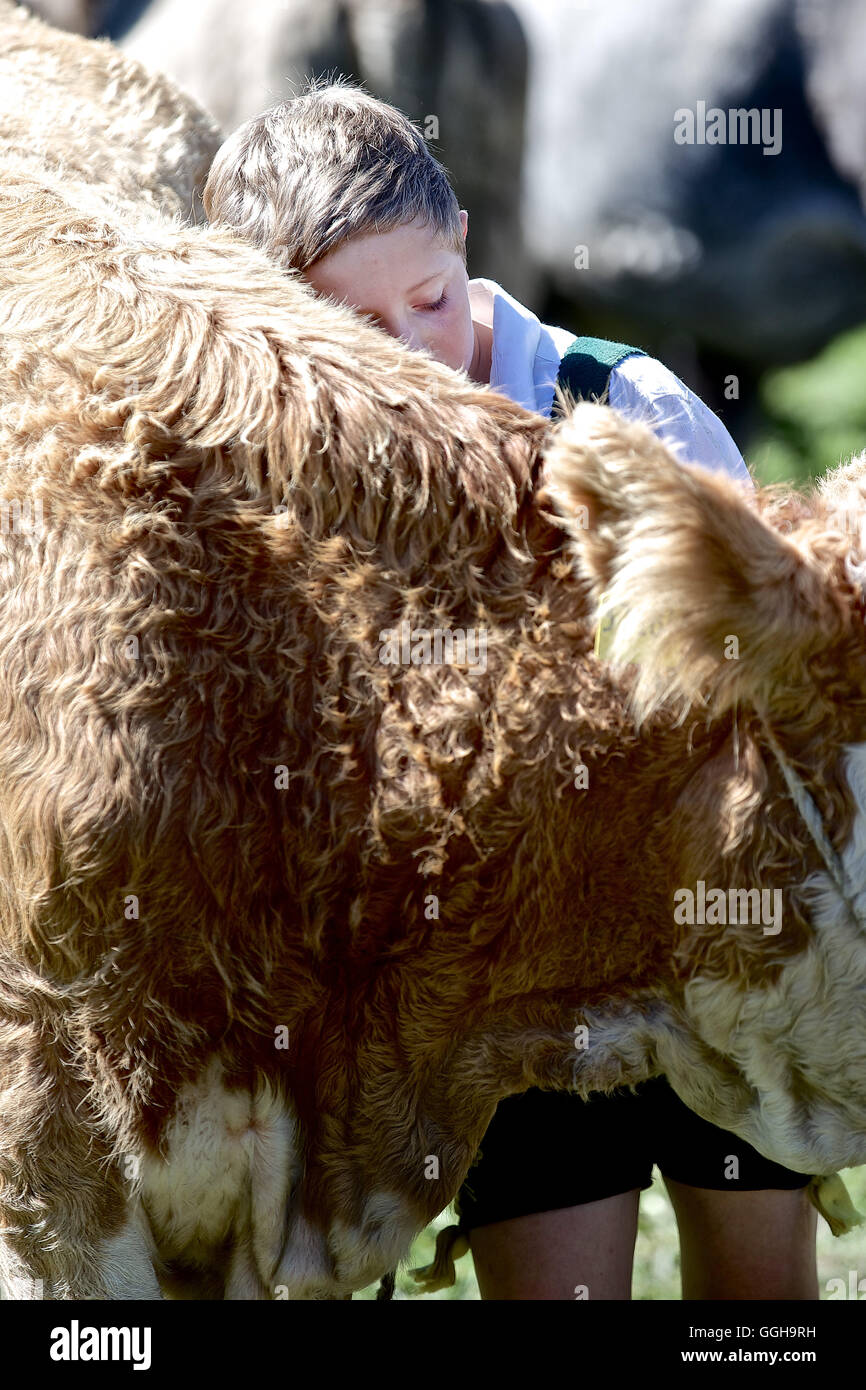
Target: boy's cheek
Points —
{"points": [[445, 346], [457, 341], [447, 336]]}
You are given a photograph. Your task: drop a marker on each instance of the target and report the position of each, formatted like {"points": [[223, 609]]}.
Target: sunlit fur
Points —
{"points": [[86, 113], [693, 558], [251, 1034]]}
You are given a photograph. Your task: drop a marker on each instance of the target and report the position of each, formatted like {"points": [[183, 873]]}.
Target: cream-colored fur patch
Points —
{"points": [[800, 1043], [229, 1166]]}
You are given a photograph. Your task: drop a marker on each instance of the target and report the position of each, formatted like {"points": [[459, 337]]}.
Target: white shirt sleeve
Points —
{"points": [[642, 388]]}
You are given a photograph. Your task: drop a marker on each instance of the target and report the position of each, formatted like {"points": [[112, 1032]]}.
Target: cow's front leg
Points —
{"points": [[71, 1226]]}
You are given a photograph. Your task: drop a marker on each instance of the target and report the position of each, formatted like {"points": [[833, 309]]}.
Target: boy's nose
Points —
{"points": [[413, 340], [401, 331], [398, 328]]}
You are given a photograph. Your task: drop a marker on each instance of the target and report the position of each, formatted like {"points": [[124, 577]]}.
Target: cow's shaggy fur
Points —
{"points": [[85, 113], [280, 922]]}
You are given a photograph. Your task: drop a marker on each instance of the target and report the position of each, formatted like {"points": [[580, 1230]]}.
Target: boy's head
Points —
{"points": [[343, 188]]}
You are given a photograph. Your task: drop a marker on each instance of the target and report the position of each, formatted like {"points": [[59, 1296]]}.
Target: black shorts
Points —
{"points": [[549, 1149]]}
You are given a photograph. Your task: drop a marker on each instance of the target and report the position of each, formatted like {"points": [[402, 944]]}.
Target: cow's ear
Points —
{"points": [[845, 484], [701, 590]]}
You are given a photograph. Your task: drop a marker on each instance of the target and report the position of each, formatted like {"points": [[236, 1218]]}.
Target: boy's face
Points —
{"points": [[411, 285]]}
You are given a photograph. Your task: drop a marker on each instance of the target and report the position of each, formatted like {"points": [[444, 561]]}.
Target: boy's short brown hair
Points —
{"points": [[330, 164]]}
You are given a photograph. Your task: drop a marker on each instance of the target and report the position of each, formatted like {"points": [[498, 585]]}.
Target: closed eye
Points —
{"points": [[431, 308]]}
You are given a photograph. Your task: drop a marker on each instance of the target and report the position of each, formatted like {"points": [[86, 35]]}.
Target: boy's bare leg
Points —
{"points": [[735, 1245], [548, 1254], [752, 1245]]}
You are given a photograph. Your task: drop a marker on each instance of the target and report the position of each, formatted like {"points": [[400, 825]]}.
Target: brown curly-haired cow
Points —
{"points": [[288, 904]]}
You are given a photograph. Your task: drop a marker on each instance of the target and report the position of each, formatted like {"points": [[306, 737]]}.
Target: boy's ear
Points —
{"points": [[464, 221]]}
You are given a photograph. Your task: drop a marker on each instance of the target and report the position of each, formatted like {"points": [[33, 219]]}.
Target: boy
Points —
{"points": [[343, 189]]}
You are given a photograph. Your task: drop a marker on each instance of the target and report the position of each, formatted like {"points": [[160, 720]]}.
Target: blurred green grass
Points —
{"points": [[813, 416]]}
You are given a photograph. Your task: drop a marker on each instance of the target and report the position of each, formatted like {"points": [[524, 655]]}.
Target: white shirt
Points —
{"points": [[525, 361]]}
